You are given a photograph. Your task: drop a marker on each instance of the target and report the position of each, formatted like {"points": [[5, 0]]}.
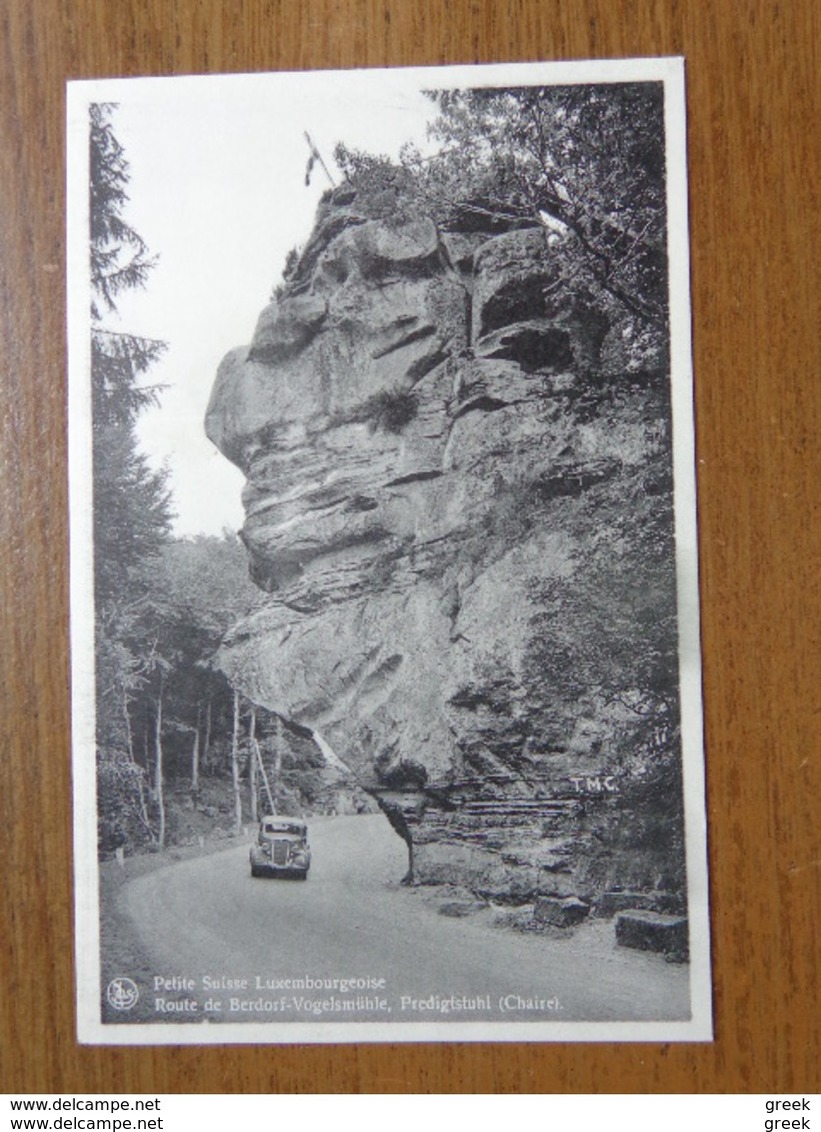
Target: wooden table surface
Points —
{"points": [[753, 126]]}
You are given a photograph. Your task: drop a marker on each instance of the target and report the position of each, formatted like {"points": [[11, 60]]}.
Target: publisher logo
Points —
{"points": [[122, 993]]}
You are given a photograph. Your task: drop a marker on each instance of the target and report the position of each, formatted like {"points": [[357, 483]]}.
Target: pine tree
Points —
{"points": [[132, 512], [119, 256]]}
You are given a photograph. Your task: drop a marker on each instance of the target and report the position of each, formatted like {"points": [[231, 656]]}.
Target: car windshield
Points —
{"points": [[293, 829]]}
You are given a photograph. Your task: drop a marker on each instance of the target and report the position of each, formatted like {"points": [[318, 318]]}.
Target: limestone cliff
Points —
{"points": [[459, 499]]}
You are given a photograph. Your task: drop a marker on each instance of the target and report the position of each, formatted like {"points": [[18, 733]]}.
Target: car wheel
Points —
{"points": [[255, 872]]}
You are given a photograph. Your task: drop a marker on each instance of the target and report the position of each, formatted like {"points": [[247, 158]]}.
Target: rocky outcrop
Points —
{"points": [[445, 457]]}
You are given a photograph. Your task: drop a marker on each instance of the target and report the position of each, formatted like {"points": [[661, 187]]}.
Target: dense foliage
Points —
{"points": [[585, 162]]}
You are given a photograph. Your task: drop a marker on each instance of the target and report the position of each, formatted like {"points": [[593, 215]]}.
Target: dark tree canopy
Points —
{"points": [[132, 510], [586, 162]]}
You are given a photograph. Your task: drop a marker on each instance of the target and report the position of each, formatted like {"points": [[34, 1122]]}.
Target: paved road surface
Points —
{"points": [[208, 919]]}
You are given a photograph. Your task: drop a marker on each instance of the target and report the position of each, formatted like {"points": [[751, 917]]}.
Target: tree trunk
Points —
{"points": [[235, 767], [195, 758], [129, 738], [252, 766], [158, 768], [206, 747], [144, 818], [129, 734]]}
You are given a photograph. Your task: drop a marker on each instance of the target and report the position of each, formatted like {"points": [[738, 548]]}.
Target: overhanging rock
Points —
{"points": [[438, 457]]}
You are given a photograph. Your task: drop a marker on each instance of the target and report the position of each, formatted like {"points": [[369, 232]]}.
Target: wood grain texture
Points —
{"points": [[752, 72]]}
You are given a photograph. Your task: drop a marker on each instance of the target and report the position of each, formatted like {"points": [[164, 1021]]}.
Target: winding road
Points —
{"points": [[350, 944]]}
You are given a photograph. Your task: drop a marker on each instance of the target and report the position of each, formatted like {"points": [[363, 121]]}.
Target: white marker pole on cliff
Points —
{"points": [[315, 156]]}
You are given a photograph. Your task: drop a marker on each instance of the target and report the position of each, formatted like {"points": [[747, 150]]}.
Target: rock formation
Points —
{"points": [[459, 500]]}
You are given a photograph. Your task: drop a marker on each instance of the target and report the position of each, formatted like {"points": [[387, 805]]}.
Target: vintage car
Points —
{"points": [[281, 849]]}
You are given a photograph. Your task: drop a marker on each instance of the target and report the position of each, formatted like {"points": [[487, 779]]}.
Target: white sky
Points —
{"points": [[217, 192]]}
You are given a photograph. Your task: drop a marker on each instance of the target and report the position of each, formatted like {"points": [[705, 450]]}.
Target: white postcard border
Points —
{"points": [[90, 1029]]}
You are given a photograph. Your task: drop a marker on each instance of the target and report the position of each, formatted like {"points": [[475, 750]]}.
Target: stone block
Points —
{"points": [[652, 931], [560, 912], [609, 903]]}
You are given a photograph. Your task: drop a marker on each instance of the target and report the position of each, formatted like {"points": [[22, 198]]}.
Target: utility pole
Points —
{"points": [[252, 767], [258, 753], [278, 758]]}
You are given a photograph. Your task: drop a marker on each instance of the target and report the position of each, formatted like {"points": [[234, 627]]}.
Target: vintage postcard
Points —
{"points": [[386, 678]]}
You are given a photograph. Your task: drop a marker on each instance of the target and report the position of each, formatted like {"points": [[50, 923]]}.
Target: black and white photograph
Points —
{"points": [[386, 683]]}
